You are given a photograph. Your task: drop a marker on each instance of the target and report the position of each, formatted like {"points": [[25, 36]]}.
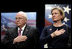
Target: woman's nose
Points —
{"points": [[53, 15]]}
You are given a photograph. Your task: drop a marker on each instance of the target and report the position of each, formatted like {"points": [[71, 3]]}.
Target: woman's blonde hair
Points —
{"points": [[61, 12]]}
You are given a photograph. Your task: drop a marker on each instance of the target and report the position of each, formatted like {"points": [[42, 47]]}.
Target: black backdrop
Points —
{"points": [[31, 6]]}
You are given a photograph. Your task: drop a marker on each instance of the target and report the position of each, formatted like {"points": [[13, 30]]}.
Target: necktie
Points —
{"points": [[19, 32]]}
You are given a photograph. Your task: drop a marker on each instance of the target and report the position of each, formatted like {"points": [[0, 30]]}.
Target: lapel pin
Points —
{"points": [[50, 29]]}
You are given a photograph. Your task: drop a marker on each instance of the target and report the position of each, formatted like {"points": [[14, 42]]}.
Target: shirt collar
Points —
{"points": [[22, 27]]}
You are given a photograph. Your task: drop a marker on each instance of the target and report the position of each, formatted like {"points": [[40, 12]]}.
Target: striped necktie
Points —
{"points": [[19, 32]]}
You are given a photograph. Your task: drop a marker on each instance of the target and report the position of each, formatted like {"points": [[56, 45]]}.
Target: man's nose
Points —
{"points": [[17, 20]]}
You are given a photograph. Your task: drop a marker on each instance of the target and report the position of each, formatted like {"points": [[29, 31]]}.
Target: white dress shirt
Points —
{"points": [[22, 29]]}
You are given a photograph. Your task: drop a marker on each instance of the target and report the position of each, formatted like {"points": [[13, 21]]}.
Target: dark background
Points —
{"points": [[30, 6]]}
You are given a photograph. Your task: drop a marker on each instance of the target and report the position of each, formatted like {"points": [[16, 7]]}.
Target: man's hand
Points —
{"points": [[57, 32], [20, 39]]}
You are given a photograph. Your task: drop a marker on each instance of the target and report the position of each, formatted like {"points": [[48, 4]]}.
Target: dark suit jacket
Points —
{"points": [[31, 42]]}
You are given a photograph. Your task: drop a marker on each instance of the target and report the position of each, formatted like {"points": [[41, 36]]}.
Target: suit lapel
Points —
{"points": [[25, 32]]}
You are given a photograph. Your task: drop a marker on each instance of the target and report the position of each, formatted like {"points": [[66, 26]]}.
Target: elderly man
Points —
{"points": [[22, 36]]}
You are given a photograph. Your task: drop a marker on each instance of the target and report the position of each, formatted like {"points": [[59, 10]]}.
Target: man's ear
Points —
{"points": [[25, 20]]}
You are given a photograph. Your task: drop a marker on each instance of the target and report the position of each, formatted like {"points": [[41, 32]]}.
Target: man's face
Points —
{"points": [[56, 15], [20, 20]]}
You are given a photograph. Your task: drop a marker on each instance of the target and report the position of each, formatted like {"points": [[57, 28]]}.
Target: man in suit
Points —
{"points": [[22, 36]]}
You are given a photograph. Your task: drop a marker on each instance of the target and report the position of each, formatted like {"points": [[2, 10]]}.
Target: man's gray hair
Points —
{"points": [[23, 14]]}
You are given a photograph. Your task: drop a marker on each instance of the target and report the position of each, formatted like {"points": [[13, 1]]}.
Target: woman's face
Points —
{"points": [[56, 16]]}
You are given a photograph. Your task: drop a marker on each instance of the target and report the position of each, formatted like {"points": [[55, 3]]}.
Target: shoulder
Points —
{"points": [[10, 30], [68, 29], [31, 28], [47, 27], [66, 26]]}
